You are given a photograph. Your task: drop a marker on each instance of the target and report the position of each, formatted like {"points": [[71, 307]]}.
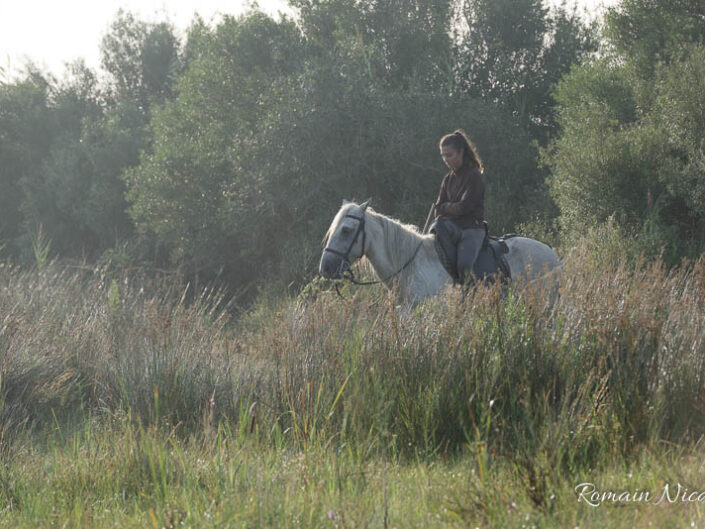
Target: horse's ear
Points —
{"points": [[364, 205], [345, 201]]}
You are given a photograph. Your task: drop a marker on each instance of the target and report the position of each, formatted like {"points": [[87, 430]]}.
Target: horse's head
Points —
{"points": [[345, 240]]}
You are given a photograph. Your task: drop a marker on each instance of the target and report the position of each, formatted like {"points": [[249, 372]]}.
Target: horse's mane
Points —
{"points": [[395, 230], [404, 238]]}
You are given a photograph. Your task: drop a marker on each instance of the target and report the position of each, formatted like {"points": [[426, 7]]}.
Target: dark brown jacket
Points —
{"points": [[462, 197]]}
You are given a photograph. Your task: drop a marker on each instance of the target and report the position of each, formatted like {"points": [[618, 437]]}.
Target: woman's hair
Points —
{"points": [[459, 140]]}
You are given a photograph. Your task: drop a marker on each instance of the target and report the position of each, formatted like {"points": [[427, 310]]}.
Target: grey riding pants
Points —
{"points": [[468, 249]]}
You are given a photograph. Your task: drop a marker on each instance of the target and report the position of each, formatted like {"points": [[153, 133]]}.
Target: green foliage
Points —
{"points": [[650, 33], [26, 128], [600, 164], [512, 53], [76, 193], [631, 132], [142, 59], [400, 44], [235, 150], [679, 115], [184, 190], [64, 144]]}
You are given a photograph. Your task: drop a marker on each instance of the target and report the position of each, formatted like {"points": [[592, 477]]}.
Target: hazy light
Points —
{"points": [[53, 33]]}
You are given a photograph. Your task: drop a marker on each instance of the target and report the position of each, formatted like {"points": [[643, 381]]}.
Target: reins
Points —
{"points": [[346, 272]]}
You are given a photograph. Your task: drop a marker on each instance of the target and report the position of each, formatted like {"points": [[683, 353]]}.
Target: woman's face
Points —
{"points": [[452, 157]]}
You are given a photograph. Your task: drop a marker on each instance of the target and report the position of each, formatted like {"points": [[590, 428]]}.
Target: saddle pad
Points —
{"points": [[492, 261]]}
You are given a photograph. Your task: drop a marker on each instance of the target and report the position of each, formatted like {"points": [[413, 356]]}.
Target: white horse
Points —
{"points": [[400, 254]]}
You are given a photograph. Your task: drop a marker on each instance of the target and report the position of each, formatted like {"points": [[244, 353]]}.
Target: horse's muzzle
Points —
{"points": [[331, 266]]}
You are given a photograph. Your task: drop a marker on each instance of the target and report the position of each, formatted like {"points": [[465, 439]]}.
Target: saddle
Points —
{"points": [[491, 262]]}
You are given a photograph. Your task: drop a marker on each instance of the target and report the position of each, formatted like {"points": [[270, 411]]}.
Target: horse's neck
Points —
{"points": [[384, 254]]}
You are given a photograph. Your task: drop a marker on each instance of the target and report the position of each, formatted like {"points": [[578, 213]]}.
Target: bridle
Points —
{"points": [[345, 264], [344, 270]]}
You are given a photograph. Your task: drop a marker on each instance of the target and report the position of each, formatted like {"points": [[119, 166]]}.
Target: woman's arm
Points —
{"points": [[470, 200]]}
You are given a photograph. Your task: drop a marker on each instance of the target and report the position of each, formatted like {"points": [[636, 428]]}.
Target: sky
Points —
{"points": [[55, 32]]}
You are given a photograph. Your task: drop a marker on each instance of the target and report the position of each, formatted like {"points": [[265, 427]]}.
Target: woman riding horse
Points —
{"points": [[461, 198]]}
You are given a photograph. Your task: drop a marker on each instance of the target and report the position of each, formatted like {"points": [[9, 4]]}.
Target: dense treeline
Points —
{"points": [[227, 151], [633, 129]]}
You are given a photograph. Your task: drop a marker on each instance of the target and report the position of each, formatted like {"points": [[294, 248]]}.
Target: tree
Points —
{"points": [[183, 190], [631, 136], [514, 52], [677, 119], [401, 42], [142, 60], [26, 129], [75, 192], [648, 32], [598, 168]]}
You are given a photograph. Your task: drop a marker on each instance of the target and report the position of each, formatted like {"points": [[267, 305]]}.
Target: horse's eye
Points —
{"points": [[346, 230]]}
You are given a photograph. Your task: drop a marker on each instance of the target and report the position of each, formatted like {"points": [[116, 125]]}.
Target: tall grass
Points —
{"points": [[615, 361], [547, 385]]}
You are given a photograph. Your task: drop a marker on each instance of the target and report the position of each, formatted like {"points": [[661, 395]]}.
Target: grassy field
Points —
{"points": [[117, 475], [125, 402]]}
